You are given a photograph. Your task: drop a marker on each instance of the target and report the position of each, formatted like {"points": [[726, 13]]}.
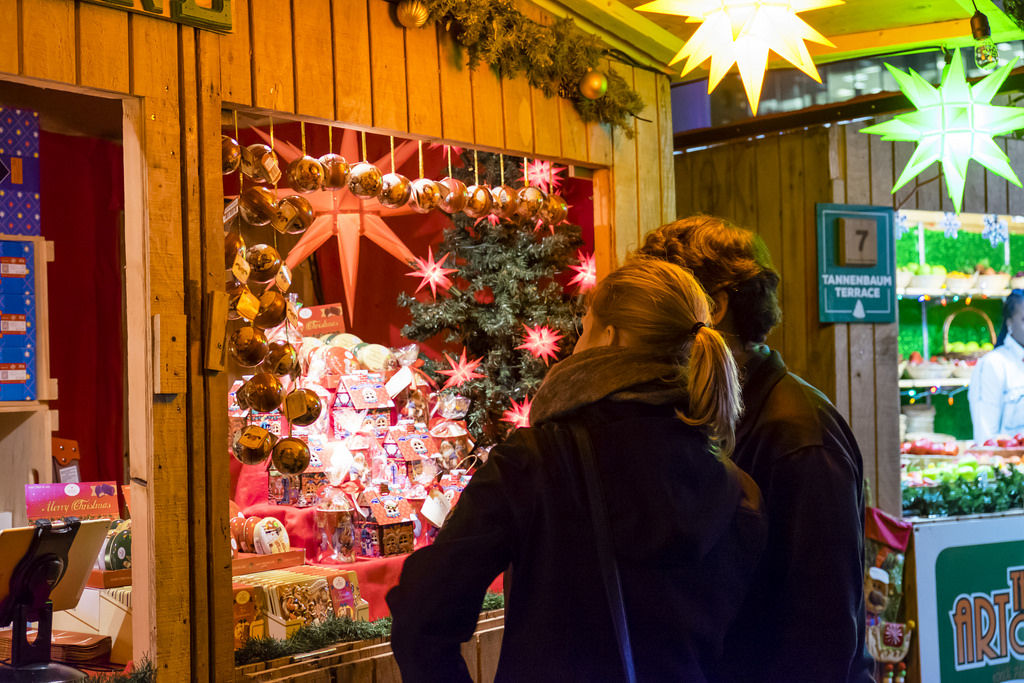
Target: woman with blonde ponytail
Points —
{"points": [[655, 389]]}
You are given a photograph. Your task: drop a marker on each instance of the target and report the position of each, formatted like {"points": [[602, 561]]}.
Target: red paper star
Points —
{"points": [[586, 272], [432, 273], [462, 370], [519, 416], [542, 174], [541, 341]]}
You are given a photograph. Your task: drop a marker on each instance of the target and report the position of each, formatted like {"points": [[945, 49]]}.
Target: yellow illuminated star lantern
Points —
{"points": [[742, 32], [953, 124]]}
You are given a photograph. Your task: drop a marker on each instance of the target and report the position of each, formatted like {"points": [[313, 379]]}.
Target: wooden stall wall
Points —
{"points": [[330, 60]]}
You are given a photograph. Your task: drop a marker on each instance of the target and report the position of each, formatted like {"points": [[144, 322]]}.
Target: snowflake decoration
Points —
{"points": [[893, 636], [902, 224], [462, 370], [953, 124], [742, 32], [519, 416], [541, 341], [586, 272], [542, 174], [996, 230], [432, 273], [950, 225]]}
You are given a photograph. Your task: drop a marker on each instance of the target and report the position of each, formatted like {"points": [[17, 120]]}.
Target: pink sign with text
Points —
{"points": [[84, 500]]}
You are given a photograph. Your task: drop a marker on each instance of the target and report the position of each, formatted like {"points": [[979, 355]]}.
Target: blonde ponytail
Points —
{"points": [[713, 386]]}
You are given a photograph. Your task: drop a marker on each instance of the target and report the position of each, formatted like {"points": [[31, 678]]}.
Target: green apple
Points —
{"points": [[914, 268], [971, 346], [967, 473], [987, 346], [939, 270], [957, 347]]}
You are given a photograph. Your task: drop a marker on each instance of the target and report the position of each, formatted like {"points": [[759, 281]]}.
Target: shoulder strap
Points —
{"points": [[605, 551]]}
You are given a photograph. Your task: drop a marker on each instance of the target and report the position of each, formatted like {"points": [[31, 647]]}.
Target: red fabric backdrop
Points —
{"points": [[82, 188]]}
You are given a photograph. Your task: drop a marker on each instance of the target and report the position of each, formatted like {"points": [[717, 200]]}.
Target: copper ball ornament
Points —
{"points": [[297, 214], [230, 154], [478, 201], [503, 202], [273, 309], [593, 85], [248, 346], [303, 407], [253, 445], [257, 204], [264, 392], [236, 291], [364, 180], [426, 196], [264, 262], [290, 456], [453, 195], [411, 13], [233, 246], [305, 174], [335, 171], [395, 190], [260, 163], [282, 359], [554, 209], [529, 200]]}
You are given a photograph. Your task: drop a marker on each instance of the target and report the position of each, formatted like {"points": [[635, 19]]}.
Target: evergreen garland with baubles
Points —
{"points": [[505, 280]]}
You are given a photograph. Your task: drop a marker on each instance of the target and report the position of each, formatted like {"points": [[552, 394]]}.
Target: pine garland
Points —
{"points": [[310, 638], [552, 58], [143, 672], [1015, 10]]}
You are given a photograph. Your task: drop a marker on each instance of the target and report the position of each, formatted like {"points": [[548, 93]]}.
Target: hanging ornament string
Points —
{"points": [[476, 169], [364, 145], [330, 138], [419, 143], [302, 128], [241, 175], [275, 182], [526, 172], [449, 160], [501, 165], [392, 139]]}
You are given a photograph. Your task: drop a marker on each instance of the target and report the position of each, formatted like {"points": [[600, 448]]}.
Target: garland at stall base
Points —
{"points": [[140, 673], [552, 58], [964, 497]]}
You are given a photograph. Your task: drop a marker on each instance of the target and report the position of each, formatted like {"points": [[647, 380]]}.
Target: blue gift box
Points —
{"points": [[17, 374], [17, 267], [19, 172]]}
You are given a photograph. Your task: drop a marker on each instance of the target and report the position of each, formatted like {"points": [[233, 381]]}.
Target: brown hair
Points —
{"points": [[661, 306], [724, 257]]}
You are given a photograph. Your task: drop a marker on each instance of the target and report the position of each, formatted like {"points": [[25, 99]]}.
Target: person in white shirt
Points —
{"points": [[996, 392]]}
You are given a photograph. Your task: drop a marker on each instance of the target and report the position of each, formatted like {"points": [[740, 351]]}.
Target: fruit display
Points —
{"points": [[937, 367], [926, 276], [970, 479], [958, 282]]}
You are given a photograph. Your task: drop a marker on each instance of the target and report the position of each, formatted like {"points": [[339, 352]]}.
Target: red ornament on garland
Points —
{"points": [[462, 370], [432, 273], [541, 341], [519, 416]]}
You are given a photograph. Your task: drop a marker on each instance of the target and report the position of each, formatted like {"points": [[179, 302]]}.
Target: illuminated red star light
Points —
{"points": [[432, 273], [542, 174], [541, 341], [462, 370], [586, 272], [519, 416]]}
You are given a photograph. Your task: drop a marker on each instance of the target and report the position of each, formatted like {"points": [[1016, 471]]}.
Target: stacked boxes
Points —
{"points": [[17, 320], [19, 172]]}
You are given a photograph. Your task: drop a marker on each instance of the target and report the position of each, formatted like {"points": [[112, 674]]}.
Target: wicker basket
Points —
{"points": [[945, 334]]}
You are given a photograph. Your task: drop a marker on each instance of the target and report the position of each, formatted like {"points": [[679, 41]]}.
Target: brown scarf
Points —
{"points": [[613, 372]]}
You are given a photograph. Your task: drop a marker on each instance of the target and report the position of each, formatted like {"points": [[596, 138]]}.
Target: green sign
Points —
{"points": [[856, 264], [212, 15]]}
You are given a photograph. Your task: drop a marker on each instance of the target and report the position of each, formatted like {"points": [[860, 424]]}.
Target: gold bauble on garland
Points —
{"points": [[412, 13], [593, 85], [395, 190]]}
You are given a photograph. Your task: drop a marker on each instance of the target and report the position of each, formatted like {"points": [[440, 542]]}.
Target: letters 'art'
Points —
{"points": [[953, 124]]}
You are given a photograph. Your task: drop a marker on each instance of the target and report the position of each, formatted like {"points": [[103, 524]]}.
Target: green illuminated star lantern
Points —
{"points": [[953, 124]]}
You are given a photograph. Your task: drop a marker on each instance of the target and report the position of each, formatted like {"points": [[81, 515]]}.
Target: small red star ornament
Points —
{"points": [[541, 341], [519, 416], [432, 273], [586, 272], [462, 370]]}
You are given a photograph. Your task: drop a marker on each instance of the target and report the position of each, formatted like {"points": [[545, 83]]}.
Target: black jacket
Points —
{"points": [[804, 618], [687, 533]]}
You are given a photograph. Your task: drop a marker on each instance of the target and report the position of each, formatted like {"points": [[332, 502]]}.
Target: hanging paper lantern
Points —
{"points": [[258, 205], [230, 154], [742, 32], [264, 262], [953, 124], [478, 201], [305, 174], [302, 407], [453, 195], [541, 341], [364, 180], [248, 346], [282, 359], [264, 392], [462, 370], [291, 456], [395, 190], [504, 202], [426, 195], [432, 273], [335, 171]]}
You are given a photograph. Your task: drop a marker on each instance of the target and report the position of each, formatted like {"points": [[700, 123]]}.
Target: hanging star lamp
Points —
{"points": [[462, 370], [742, 32], [519, 416], [432, 272], [586, 272], [953, 124], [542, 342]]}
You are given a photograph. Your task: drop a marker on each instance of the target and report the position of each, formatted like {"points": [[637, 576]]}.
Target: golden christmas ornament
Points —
{"points": [[230, 154], [248, 346], [305, 174], [395, 190], [364, 180], [411, 13], [291, 456], [273, 309], [282, 359], [503, 202], [426, 196], [263, 392], [260, 163], [303, 407], [258, 205], [453, 195], [529, 200], [294, 215], [264, 262], [593, 85], [554, 210], [242, 303], [253, 445], [335, 171], [233, 246], [478, 201]]}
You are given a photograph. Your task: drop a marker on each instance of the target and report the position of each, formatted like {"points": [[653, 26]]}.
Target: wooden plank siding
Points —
{"points": [[344, 61]]}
